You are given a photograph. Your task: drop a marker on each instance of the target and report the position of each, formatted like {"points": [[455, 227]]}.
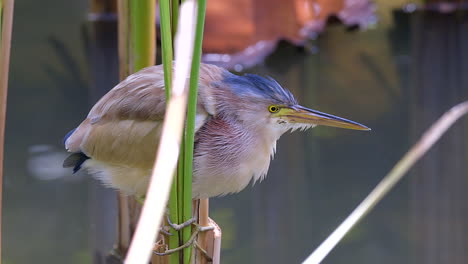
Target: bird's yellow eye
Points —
{"points": [[273, 108]]}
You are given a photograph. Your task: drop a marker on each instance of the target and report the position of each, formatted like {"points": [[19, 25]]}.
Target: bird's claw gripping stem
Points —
{"points": [[191, 241], [178, 227], [164, 231]]}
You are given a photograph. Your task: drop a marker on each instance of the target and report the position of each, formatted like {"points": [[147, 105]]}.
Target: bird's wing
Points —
{"points": [[124, 126]]}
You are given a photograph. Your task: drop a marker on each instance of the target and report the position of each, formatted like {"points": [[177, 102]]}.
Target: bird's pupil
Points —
{"points": [[273, 109]]}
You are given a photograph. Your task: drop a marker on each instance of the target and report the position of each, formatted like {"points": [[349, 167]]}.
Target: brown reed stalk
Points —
{"points": [[6, 11]]}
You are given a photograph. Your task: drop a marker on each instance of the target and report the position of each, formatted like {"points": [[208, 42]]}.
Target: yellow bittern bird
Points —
{"points": [[238, 121]]}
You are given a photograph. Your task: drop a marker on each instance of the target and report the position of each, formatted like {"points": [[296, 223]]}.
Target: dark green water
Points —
{"points": [[396, 79]]}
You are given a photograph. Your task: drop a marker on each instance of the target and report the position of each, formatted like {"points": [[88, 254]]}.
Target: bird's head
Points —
{"points": [[262, 101]]}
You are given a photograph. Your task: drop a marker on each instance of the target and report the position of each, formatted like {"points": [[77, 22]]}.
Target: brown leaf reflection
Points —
{"points": [[246, 31]]}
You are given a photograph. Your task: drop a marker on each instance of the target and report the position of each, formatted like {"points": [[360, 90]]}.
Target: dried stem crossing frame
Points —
{"points": [[428, 139]]}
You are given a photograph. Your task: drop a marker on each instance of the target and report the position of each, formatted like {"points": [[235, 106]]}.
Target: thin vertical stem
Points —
{"points": [[175, 16], [203, 220], [167, 57], [123, 38], [166, 44], [6, 11], [190, 129], [180, 165], [125, 66], [174, 216]]}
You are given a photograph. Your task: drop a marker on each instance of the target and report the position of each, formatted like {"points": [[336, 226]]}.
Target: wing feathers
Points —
{"points": [[73, 141], [140, 96], [128, 142], [124, 126]]}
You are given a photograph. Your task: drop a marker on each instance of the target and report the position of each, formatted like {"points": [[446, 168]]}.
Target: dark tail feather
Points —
{"points": [[75, 160]]}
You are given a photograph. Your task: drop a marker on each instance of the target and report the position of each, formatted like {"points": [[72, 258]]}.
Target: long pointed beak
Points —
{"points": [[300, 114]]}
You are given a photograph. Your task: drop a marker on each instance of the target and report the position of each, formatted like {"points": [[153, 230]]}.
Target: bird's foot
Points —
{"points": [[178, 227], [165, 230], [192, 240]]}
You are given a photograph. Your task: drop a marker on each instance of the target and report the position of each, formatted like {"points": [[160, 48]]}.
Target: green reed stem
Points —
{"points": [[190, 129], [180, 203], [166, 44], [167, 58], [142, 17], [175, 16]]}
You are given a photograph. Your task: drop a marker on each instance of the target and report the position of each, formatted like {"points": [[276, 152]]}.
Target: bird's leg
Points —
{"points": [[141, 200], [178, 227], [190, 242], [164, 230], [193, 238]]}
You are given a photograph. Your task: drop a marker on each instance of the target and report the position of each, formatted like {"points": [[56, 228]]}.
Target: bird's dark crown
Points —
{"points": [[266, 88]]}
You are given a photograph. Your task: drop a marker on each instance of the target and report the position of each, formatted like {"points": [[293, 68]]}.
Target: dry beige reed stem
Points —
{"points": [[428, 139], [6, 24]]}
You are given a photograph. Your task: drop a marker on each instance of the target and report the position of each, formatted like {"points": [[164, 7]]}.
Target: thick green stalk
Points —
{"points": [[190, 129], [142, 17], [167, 57]]}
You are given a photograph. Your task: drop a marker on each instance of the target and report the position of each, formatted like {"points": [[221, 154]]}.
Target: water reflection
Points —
{"points": [[396, 80], [45, 163], [438, 209]]}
